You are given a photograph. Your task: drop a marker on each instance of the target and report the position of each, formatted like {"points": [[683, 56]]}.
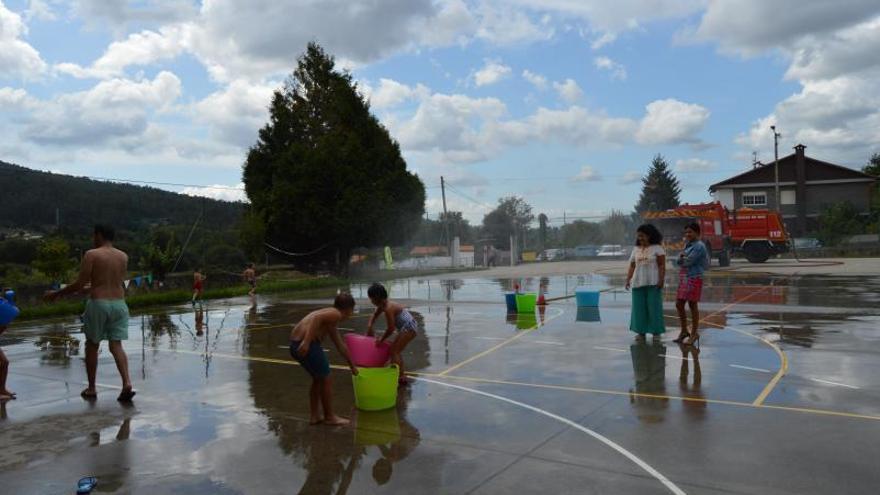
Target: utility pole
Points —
{"points": [[445, 215], [776, 137]]}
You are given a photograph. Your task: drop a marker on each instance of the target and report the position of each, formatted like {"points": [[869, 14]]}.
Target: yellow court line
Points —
{"points": [[502, 344], [825, 412], [783, 359]]}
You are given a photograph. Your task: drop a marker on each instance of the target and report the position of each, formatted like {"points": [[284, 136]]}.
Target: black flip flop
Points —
{"points": [[126, 395]]}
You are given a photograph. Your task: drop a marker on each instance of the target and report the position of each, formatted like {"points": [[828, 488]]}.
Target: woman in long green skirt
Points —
{"points": [[647, 270]]}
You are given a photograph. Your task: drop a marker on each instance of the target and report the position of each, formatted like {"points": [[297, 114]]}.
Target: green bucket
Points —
{"points": [[525, 303], [375, 389]]}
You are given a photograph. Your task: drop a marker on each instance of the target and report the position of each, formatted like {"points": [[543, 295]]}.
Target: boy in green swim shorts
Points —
{"points": [[102, 274]]}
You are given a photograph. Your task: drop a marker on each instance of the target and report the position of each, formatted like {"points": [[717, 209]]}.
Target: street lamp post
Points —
{"points": [[776, 136]]}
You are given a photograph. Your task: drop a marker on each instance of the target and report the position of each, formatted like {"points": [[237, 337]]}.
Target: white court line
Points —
{"points": [[491, 338], [833, 383], [609, 349], [762, 370], [549, 342], [667, 356], [629, 455]]}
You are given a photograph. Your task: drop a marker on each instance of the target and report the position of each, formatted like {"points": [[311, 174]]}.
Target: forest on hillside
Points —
{"points": [[152, 224]]}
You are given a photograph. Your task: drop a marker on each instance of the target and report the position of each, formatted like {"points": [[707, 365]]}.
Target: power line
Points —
{"points": [[132, 181]]}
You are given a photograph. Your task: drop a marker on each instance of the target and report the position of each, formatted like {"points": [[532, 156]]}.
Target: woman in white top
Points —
{"points": [[647, 270]]}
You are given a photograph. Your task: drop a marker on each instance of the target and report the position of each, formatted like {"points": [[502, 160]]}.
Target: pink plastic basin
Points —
{"points": [[364, 351]]}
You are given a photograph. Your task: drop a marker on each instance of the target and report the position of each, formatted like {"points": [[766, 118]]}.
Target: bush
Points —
{"points": [[837, 222]]}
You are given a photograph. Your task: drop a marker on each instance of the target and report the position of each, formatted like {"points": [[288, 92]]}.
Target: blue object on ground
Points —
{"points": [[586, 298], [510, 298], [86, 485]]}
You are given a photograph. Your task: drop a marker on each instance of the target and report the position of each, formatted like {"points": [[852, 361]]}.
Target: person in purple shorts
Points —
{"points": [[693, 260]]}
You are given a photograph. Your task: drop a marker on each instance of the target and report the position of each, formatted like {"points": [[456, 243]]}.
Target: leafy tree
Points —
{"points": [[873, 165], [511, 217], [580, 233], [160, 254], [252, 235], [873, 168], [542, 230], [53, 258], [617, 228], [660, 188], [325, 176], [837, 222]]}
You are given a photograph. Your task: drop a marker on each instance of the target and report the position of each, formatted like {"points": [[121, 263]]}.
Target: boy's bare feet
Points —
{"points": [[89, 394], [316, 421], [126, 395], [336, 421], [7, 395]]}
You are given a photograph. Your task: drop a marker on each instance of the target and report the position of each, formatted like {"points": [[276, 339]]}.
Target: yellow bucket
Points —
{"points": [[375, 389]]}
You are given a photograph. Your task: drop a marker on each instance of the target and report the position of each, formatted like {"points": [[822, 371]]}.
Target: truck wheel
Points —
{"points": [[724, 258], [757, 252]]}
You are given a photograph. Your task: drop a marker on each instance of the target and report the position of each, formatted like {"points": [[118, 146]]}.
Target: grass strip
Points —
{"points": [[178, 296]]}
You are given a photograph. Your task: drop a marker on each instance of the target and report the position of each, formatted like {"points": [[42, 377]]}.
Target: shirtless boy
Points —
{"points": [[103, 273], [306, 348]]}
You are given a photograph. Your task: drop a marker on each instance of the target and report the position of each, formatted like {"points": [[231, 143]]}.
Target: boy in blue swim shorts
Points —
{"points": [[306, 349]]}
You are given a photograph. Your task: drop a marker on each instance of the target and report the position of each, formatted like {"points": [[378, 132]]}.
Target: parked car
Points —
{"points": [[611, 251], [807, 243], [552, 255], [585, 251]]}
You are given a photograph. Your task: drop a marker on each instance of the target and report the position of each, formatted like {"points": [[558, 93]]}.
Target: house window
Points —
{"points": [[754, 199], [788, 197]]}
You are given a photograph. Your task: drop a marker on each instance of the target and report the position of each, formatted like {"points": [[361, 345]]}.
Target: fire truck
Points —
{"points": [[756, 234]]}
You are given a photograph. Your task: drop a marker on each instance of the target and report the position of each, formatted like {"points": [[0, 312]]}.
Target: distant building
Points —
{"points": [[806, 187]]}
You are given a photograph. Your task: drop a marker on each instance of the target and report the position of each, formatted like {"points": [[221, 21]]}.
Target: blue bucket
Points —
{"points": [[510, 298], [586, 298], [8, 312], [10, 296]]}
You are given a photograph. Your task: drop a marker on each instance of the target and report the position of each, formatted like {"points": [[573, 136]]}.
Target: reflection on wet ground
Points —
{"points": [[222, 408]]}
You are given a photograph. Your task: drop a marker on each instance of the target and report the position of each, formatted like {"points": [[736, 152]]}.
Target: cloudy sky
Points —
{"points": [[561, 101]]}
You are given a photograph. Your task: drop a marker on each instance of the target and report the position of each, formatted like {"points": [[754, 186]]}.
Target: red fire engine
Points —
{"points": [[757, 234]]}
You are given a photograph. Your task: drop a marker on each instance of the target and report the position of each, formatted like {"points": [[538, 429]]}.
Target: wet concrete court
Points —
{"points": [[781, 398]]}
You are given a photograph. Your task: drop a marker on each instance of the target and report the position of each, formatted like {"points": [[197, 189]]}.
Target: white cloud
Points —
{"points": [[604, 39], [40, 10], [15, 99], [694, 165], [492, 72], [671, 121], [616, 70], [749, 27], [537, 80], [142, 48], [17, 58], [117, 110], [452, 124], [848, 51], [501, 25], [603, 16], [391, 93], [236, 112], [630, 177], [119, 13], [218, 191], [569, 91], [587, 174]]}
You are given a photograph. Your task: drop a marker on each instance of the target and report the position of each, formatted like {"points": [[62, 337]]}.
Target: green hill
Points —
{"points": [[31, 199]]}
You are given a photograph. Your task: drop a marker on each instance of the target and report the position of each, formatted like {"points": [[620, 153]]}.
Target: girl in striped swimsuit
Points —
{"points": [[397, 317]]}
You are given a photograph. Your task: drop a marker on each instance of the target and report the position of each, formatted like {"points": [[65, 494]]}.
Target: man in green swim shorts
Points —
{"points": [[102, 274]]}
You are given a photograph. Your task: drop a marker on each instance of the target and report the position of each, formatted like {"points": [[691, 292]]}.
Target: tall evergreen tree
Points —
{"points": [[660, 188], [325, 176]]}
